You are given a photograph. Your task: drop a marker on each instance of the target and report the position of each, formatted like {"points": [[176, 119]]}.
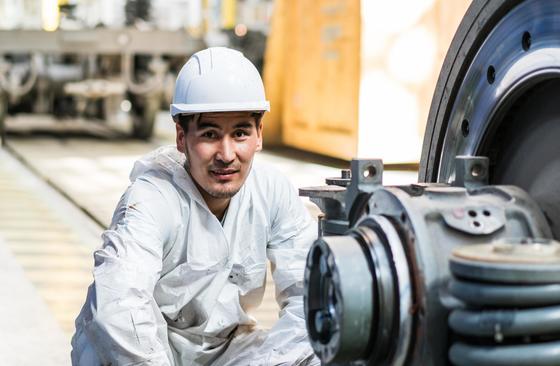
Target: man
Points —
{"points": [[185, 256]]}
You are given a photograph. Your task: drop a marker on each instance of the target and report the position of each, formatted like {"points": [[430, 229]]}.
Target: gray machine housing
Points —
{"points": [[413, 230]]}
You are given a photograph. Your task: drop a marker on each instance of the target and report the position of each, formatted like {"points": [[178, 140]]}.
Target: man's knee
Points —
{"points": [[83, 353]]}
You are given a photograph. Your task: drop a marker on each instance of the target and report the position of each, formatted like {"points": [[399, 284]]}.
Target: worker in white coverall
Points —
{"points": [[185, 257]]}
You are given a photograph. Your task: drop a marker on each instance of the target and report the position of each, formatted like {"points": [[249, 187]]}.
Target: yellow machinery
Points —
{"points": [[346, 76]]}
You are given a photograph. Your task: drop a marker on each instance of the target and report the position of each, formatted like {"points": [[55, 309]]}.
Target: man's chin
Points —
{"points": [[222, 193]]}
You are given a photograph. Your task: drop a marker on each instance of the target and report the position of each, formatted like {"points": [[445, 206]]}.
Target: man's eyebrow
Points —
{"points": [[244, 124], [203, 125]]}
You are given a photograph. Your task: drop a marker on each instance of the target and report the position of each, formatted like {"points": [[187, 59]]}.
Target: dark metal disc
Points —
{"points": [[512, 117], [479, 20]]}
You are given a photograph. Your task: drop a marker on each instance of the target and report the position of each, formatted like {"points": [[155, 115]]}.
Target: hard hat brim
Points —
{"points": [[180, 108]]}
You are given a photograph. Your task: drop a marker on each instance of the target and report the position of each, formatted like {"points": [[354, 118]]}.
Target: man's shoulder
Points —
{"points": [[270, 186], [155, 185], [162, 162], [267, 177], [155, 171], [150, 189]]}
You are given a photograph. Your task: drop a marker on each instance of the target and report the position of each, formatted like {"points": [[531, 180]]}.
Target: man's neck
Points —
{"points": [[217, 206]]}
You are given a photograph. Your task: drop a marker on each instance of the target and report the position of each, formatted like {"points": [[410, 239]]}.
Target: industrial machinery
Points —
{"points": [[94, 60], [89, 73], [462, 268]]}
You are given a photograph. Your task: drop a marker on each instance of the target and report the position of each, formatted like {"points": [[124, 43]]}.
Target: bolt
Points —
{"points": [[323, 322]]}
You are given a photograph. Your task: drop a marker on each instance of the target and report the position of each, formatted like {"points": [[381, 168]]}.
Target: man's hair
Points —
{"points": [[184, 119]]}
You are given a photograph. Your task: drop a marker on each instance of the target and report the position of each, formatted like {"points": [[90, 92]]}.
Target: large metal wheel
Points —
{"points": [[497, 96]]}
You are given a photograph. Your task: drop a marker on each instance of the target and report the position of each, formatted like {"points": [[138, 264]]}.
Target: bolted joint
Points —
{"points": [[471, 171], [366, 172], [366, 177], [343, 180]]}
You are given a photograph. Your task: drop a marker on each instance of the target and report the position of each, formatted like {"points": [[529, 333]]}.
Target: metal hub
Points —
{"points": [[338, 299], [358, 295]]}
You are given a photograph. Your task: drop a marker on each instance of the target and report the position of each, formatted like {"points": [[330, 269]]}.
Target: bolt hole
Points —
{"points": [[472, 213], [486, 213], [477, 170], [334, 299], [465, 128], [491, 74], [370, 172], [526, 41], [476, 224]]}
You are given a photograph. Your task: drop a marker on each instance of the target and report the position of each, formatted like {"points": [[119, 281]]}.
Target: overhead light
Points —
{"points": [[50, 15]]}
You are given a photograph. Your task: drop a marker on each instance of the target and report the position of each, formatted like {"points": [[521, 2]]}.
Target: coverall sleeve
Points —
{"points": [[292, 233], [120, 322]]}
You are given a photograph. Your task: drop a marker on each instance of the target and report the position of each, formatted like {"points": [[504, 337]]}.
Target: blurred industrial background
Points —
{"points": [[344, 77], [85, 87]]}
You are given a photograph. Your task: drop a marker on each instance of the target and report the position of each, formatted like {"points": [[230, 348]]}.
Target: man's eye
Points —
{"points": [[241, 133], [209, 134]]}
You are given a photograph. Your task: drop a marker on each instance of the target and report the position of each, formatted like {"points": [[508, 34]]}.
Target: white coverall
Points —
{"points": [[172, 286]]}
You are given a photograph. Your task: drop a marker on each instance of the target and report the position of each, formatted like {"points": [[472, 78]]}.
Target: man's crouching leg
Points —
{"points": [[256, 348], [83, 353]]}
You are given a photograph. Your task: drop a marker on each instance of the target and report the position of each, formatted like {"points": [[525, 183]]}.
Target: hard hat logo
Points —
{"points": [[218, 79]]}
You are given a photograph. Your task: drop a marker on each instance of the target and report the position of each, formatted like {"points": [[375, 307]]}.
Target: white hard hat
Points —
{"points": [[218, 79]]}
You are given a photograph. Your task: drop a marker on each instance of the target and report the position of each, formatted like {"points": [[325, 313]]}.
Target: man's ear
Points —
{"points": [[180, 138], [260, 136]]}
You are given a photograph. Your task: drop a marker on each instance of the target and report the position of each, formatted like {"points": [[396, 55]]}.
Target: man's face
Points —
{"points": [[220, 148]]}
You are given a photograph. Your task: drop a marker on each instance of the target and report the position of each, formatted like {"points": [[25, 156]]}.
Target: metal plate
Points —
{"points": [[504, 272], [539, 354], [489, 294], [519, 251], [504, 323]]}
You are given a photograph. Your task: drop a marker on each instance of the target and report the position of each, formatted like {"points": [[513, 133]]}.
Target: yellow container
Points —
{"points": [[354, 78]]}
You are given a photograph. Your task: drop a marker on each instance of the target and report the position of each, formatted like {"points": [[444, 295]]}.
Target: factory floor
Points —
{"points": [[57, 193]]}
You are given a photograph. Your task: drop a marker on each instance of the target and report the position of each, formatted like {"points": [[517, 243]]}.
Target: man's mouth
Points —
{"points": [[224, 174]]}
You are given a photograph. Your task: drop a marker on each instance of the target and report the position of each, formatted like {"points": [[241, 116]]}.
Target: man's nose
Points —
{"points": [[226, 152]]}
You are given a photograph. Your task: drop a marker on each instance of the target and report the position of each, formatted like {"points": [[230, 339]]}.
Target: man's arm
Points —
{"points": [[292, 233], [120, 322]]}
